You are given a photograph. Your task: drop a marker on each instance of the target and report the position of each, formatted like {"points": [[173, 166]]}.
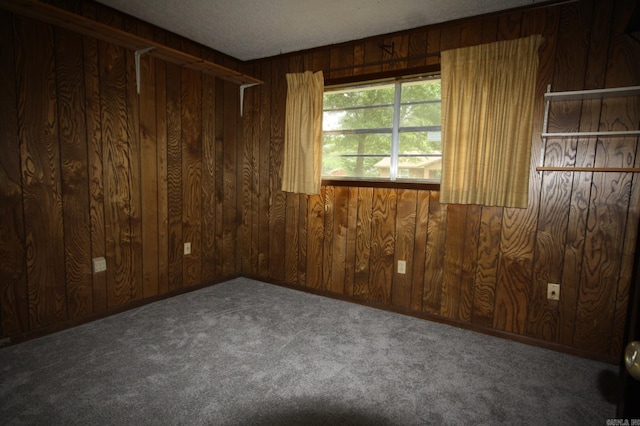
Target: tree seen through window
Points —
{"points": [[363, 139]]}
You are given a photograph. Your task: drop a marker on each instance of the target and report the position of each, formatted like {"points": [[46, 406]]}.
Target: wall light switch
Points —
{"points": [[187, 248], [402, 266]]}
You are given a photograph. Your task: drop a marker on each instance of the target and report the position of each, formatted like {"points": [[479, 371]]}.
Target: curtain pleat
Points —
{"points": [[488, 96], [302, 162]]}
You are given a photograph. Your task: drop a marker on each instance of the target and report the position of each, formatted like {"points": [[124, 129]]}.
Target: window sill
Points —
{"points": [[383, 183]]}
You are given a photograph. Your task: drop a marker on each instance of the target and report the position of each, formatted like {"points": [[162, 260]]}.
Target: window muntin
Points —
{"points": [[389, 131]]}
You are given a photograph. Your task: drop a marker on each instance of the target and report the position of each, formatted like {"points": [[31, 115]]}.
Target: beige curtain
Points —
{"points": [[488, 93], [303, 133]]}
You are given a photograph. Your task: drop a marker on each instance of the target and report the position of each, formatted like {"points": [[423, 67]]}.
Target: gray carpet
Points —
{"points": [[245, 352]]}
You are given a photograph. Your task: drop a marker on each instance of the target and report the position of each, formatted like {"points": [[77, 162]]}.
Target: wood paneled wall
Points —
{"points": [[482, 267], [90, 169]]}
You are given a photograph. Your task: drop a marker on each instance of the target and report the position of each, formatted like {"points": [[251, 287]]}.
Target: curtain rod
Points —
{"points": [[383, 62]]}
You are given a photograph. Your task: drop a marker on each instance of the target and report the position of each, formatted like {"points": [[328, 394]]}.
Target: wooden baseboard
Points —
{"points": [[325, 293], [610, 359], [54, 328]]}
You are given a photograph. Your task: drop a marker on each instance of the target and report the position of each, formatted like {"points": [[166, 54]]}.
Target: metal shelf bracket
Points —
{"points": [[242, 88], [138, 54]]}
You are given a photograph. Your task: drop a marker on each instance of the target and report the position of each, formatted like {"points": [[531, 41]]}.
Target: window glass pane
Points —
{"points": [[358, 119], [420, 103], [358, 131], [364, 108], [354, 155], [420, 145], [421, 90], [420, 155]]}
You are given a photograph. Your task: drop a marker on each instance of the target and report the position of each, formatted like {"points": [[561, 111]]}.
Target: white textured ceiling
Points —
{"points": [[252, 29]]}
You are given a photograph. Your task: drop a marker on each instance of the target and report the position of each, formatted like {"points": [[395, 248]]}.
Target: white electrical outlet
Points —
{"points": [[402, 266], [553, 291], [99, 264], [187, 248]]}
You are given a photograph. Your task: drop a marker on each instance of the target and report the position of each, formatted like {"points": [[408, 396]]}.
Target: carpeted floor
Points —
{"points": [[245, 352]]}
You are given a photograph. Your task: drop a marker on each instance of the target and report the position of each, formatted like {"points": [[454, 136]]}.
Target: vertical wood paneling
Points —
{"points": [[486, 266], [509, 26], [514, 273], [14, 305], [149, 147], [400, 45], [321, 60], [175, 164], [90, 169], [581, 182], [292, 237], [557, 188], [263, 187], [433, 46], [489, 30], [174, 176], [117, 166], [350, 249], [372, 55], [134, 211], [363, 243], [208, 245], [470, 256], [547, 311], [162, 163], [116, 170], [608, 206], [383, 242], [219, 181], [450, 36], [255, 178], [95, 163], [75, 182], [276, 149], [240, 150], [625, 62], [434, 252], [315, 238], [341, 61], [192, 175], [247, 170], [328, 225], [303, 239], [41, 180], [358, 58], [404, 236], [336, 282], [419, 249], [453, 257], [417, 48], [471, 34], [230, 157]]}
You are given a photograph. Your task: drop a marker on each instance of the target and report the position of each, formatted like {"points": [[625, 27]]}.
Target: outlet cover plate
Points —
{"points": [[99, 264], [402, 266], [553, 291]]}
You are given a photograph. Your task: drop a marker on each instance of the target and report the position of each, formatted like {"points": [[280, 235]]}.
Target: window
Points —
{"points": [[383, 131]]}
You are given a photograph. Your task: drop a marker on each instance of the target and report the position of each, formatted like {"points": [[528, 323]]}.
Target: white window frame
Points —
{"points": [[395, 131]]}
